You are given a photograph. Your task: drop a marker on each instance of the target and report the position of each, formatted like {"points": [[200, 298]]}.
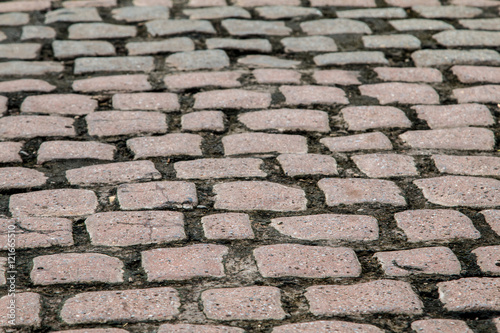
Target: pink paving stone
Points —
{"points": [[76, 268], [201, 59], [68, 150], [9, 152], [435, 225], [232, 99], [178, 44], [179, 82], [26, 85], [258, 3], [409, 74], [189, 328], [245, 303], [183, 263], [479, 3], [267, 61], [492, 218], [410, 3], [285, 120], [381, 296], [146, 101], [259, 195], [441, 326], [368, 141], [28, 310], [488, 259], [306, 261], [53, 203], [37, 32], [133, 228], [122, 305], [307, 164], [95, 330], [306, 95], [327, 327], [361, 118], [100, 31], [36, 232], [402, 93], [386, 165], [460, 115], [474, 74], [341, 3], [203, 121], [138, 82], [25, 68], [480, 94], [209, 168], [474, 294], [12, 127], [113, 64], [206, 3], [252, 44], [259, 143], [153, 195], [336, 76], [176, 144], [427, 260], [468, 165], [89, 3], [18, 178], [357, 191], [270, 76], [465, 138], [60, 104], [24, 6], [111, 123], [147, 3], [310, 43], [227, 226]]}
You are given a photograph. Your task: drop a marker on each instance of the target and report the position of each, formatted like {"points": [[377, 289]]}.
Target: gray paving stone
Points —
{"points": [[431, 58], [129, 82], [73, 15], [14, 19], [410, 3], [481, 94], [140, 14], [100, 30], [245, 28], [194, 60], [386, 13], [391, 41], [409, 74], [335, 27], [179, 44], [3, 36], [259, 45], [447, 11], [89, 3], [24, 6], [217, 13], [267, 61], [281, 12], [20, 50], [481, 24], [72, 49], [468, 38], [342, 3], [37, 32], [417, 24], [175, 27], [257, 3], [368, 141], [473, 74], [357, 57], [309, 44], [114, 64]]}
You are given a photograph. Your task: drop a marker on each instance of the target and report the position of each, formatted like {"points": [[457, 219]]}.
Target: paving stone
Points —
{"points": [[361, 118], [134, 228], [72, 49], [175, 27], [307, 164], [480, 3], [37, 232], [481, 94], [111, 123], [9, 152], [270, 76], [380, 296], [259, 143], [165, 102], [430, 58], [114, 83], [409, 74], [473, 294], [142, 3], [209, 168], [178, 44], [26, 85], [309, 94], [27, 304], [69, 150], [212, 121], [309, 44], [258, 45], [18, 178], [73, 15], [481, 24], [3, 103], [440, 325], [153, 195], [336, 76], [282, 12], [410, 3], [24, 6], [227, 226], [417, 24], [385, 13], [53, 203], [347, 58], [37, 32], [368, 141], [473, 74], [139, 14], [496, 322], [464, 138], [216, 13], [447, 11], [283, 260], [59, 104], [20, 51], [188, 328], [14, 19], [340, 3], [232, 99], [386, 165], [89, 3], [194, 60], [452, 38], [25, 68], [391, 41], [492, 218], [100, 30], [401, 93], [95, 330], [327, 326], [113, 173], [335, 27], [76, 268], [487, 258], [468, 165], [257, 3], [175, 144], [183, 263], [244, 303], [255, 27], [285, 120], [461, 115], [206, 3], [13, 127], [121, 305], [179, 82], [427, 260], [114, 64], [3, 36], [267, 61]]}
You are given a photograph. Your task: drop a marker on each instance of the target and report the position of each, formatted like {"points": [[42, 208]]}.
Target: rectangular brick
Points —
{"points": [[111, 123], [67, 150], [368, 141], [336, 76], [419, 24], [361, 118], [219, 12], [468, 165], [385, 13], [179, 26], [402, 93], [286, 120], [179, 82], [264, 61], [335, 27], [227, 226], [461, 115], [480, 94], [473, 74], [89, 3], [475, 294], [307, 164], [100, 31], [37, 32], [386, 165], [64, 49], [179, 44], [309, 95], [232, 99], [449, 12], [252, 44], [348, 58], [465, 138], [20, 51], [210, 168], [128, 83], [21, 178], [284, 12], [409, 74], [480, 24], [14, 19], [270, 76], [434, 58], [400, 41], [492, 218], [142, 3], [27, 68], [259, 143], [237, 27], [341, 3], [9, 152], [59, 104], [13, 127], [182, 328], [114, 64], [26, 85], [212, 121], [24, 6], [140, 14], [146, 101], [325, 326], [176, 144], [27, 306]]}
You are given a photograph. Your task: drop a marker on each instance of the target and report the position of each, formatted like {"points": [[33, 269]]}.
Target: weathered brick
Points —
{"points": [[237, 27], [245, 303], [335, 27], [27, 305], [114, 64], [26, 68], [462, 115], [18, 178], [380, 296], [9, 152], [256, 3], [333, 227], [60, 104], [76, 268], [481, 94], [306, 261], [183, 263], [417, 24], [440, 325], [386, 165], [111, 123], [217, 13], [178, 82], [178, 44], [35, 126], [410, 3], [37, 32], [386, 13], [24, 6], [492, 218], [66, 150], [473, 74], [257, 45], [267, 61], [26, 85], [286, 120], [409, 74], [270, 76], [447, 11], [194, 60], [487, 258], [259, 143], [137, 82], [470, 294], [206, 3], [336, 76], [435, 225], [356, 191], [20, 50], [468, 165], [100, 31], [53, 203], [139, 14], [481, 24], [361, 118], [73, 15], [142, 3], [209, 168], [391, 41], [232, 99], [258, 195], [283, 12], [72, 49], [403, 93], [341, 3], [121, 305], [465, 138], [368, 141], [309, 94], [165, 102], [189, 328], [346, 58], [14, 19], [307, 164], [175, 27], [153, 195], [430, 58], [227, 226], [309, 44], [453, 38], [203, 121], [166, 145]]}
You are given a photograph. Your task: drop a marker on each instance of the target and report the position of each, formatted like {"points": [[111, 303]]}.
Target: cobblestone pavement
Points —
{"points": [[250, 166]]}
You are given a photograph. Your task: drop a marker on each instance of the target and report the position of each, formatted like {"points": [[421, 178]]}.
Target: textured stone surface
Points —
{"points": [[171, 27], [386, 42], [281, 12], [177, 44], [361, 118], [307, 164], [327, 326], [464, 138], [227, 226], [336, 76], [61, 104], [258, 143], [136, 82], [244, 28], [286, 120], [487, 258], [219, 168], [35, 126], [492, 219], [468, 165], [73, 15], [481, 94], [20, 51], [440, 325], [146, 101], [26, 85], [418, 24], [251, 44], [368, 141], [447, 11], [402, 93], [194, 60], [217, 13], [68, 150], [473, 74], [203, 121], [270, 76], [110, 123], [18, 177], [232, 99], [179, 82], [24, 68], [335, 27], [373, 13], [188, 328], [432, 58], [9, 152], [304, 95], [100, 30], [267, 61], [308, 44], [470, 294], [183, 144], [449, 116], [349, 58], [409, 74], [138, 14], [114, 64], [28, 305], [386, 165]]}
